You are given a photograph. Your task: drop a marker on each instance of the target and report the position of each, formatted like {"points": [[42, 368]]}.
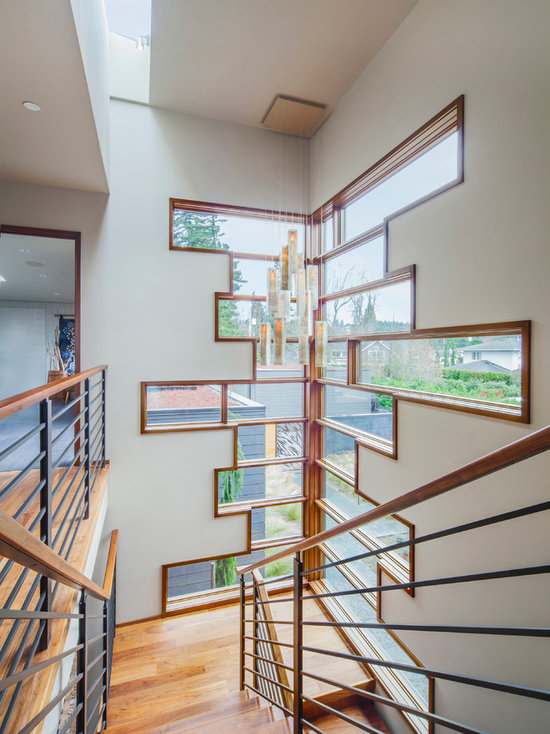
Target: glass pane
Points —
{"points": [[361, 265], [250, 277], [273, 523], [360, 610], [292, 368], [364, 411], [259, 483], [274, 440], [339, 449], [337, 361], [327, 235], [385, 531], [343, 496], [379, 310], [484, 368], [345, 546], [230, 232], [243, 318], [266, 400], [424, 174], [282, 567], [183, 404], [217, 573]]}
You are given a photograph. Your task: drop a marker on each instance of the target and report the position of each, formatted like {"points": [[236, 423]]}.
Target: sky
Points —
{"points": [[131, 18]]}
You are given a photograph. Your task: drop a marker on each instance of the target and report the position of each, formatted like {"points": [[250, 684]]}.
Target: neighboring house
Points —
{"points": [[375, 351], [503, 352], [480, 365]]}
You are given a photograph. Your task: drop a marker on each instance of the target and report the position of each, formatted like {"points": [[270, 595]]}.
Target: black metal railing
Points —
{"points": [[80, 705], [265, 664], [52, 449], [312, 586]]}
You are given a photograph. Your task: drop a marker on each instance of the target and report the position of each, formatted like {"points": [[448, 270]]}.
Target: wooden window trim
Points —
{"points": [[224, 422], [493, 409], [392, 685]]}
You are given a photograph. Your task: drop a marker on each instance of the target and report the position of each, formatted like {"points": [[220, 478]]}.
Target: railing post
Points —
{"points": [[87, 448], [82, 665], [255, 627], [298, 643], [46, 508], [103, 388], [243, 632], [106, 646]]}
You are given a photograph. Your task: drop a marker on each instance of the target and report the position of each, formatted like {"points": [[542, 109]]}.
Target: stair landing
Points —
{"points": [[180, 675]]}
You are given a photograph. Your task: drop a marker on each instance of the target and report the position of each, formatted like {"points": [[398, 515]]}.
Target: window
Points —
{"points": [[179, 404], [467, 369]]}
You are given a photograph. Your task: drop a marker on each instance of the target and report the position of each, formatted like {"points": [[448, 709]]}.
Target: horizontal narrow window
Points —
{"points": [[345, 546], [360, 410], [417, 178], [183, 404], [243, 318], [337, 361], [256, 483], [343, 496], [254, 401], [255, 233], [380, 640], [194, 578], [271, 441], [378, 310], [487, 369], [383, 532], [281, 567], [339, 450], [362, 264], [291, 370], [270, 524]]}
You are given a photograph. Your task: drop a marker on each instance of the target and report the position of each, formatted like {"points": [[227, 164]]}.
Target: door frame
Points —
{"points": [[59, 234]]}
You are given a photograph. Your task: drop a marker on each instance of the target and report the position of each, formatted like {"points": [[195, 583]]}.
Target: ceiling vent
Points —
{"points": [[294, 116]]}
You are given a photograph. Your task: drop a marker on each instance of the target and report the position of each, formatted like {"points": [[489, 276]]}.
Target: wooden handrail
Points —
{"points": [[514, 452], [12, 405], [110, 566], [17, 544]]}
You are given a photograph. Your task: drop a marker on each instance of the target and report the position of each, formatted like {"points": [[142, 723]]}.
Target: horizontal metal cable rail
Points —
{"points": [[47, 476], [317, 584]]}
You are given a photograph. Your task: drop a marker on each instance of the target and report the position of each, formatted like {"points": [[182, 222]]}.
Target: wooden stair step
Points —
{"points": [[364, 713], [337, 698], [234, 712]]}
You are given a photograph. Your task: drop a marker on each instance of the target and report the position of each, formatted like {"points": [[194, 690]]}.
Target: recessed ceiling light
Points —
{"points": [[32, 106], [24, 250], [34, 264], [42, 275], [57, 293]]}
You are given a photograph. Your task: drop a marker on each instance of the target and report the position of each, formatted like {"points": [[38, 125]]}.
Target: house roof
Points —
{"points": [[509, 344], [376, 343], [480, 365]]}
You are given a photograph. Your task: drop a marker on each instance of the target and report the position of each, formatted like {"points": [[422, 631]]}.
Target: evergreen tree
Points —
{"points": [[205, 231]]}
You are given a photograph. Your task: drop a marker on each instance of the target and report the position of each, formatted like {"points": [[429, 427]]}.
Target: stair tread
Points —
{"points": [[365, 713]]}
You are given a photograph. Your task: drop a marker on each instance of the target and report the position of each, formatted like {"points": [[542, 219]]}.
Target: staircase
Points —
{"points": [[241, 712]]}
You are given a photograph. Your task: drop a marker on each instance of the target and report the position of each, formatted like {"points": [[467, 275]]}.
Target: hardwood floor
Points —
{"points": [[180, 674]]}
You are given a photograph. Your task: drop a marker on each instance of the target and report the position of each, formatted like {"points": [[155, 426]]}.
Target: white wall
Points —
{"points": [[482, 255], [90, 20], [128, 69], [149, 313]]}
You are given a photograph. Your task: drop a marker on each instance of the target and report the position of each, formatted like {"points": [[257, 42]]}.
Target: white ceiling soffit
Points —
{"points": [[48, 256], [228, 59], [41, 61]]}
